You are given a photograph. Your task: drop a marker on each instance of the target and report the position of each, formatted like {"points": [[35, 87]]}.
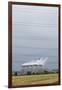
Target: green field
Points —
{"points": [[35, 79]]}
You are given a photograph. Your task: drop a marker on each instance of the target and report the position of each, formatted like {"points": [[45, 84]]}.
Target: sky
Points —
{"points": [[34, 35]]}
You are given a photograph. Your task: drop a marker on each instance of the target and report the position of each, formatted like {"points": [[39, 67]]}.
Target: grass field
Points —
{"points": [[35, 79]]}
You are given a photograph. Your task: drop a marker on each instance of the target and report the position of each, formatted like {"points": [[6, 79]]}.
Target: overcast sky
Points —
{"points": [[35, 33]]}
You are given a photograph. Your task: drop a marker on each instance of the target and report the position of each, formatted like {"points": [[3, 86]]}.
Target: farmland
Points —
{"points": [[35, 79]]}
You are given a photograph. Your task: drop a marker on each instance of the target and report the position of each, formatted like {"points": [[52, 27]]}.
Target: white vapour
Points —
{"points": [[44, 61], [40, 61]]}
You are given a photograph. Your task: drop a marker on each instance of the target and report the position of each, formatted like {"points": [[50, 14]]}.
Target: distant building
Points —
{"points": [[35, 66]]}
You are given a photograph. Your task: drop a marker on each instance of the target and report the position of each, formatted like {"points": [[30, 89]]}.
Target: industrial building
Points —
{"points": [[34, 66]]}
